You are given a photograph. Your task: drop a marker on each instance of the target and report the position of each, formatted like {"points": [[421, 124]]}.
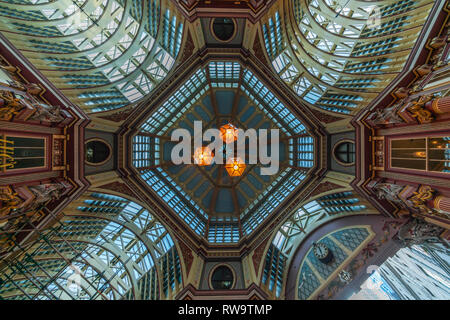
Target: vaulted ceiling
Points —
{"points": [[143, 68]]}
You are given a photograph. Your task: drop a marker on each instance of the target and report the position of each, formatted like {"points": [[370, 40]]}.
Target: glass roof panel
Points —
{"points": [[222, 220], [341, 55], [314, 213], [103, 54], [110, 256]]}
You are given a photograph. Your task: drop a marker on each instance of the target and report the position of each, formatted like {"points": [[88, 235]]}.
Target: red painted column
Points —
{"points": [[442, 203], [439, 106]]}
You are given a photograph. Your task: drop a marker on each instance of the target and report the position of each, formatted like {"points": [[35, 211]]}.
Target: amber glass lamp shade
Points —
{"points": [[203, 156], [235, 167], [228, 133]]}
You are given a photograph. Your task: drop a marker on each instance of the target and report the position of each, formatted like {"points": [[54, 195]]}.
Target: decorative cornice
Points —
{"points": [[118, 187], [118, 116], [324, 187], [161, 93], [187, 255]]}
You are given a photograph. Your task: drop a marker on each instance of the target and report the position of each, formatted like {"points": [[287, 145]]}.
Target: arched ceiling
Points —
{"points": [[112, 54], [103, 55], [107, 245], [339, 55], [108, 54]]}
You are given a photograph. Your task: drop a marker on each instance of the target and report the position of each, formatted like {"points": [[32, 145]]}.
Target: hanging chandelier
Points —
{"points": [[229, 133], [235, 167], [203, 156]]}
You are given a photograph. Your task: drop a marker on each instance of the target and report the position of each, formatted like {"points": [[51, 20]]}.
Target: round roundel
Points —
{"points": [[97, 152], [222, 278], [344, 152], [223, 29]]}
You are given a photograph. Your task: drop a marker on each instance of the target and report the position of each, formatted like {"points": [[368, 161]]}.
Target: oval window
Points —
{"points": [[344, 153], [223, 28], [97, 152], [222, 278]]}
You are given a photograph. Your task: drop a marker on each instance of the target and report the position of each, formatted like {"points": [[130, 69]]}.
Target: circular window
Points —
{"points": [[223, 29], [344, 152], [97, 152], [222, 278]]}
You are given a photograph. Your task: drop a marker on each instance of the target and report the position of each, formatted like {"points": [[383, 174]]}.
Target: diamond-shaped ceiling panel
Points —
{"points": [[215, 205]]}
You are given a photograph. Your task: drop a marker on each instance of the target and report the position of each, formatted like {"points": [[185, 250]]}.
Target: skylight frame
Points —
{"points": [[217, 74], [125, 72]]}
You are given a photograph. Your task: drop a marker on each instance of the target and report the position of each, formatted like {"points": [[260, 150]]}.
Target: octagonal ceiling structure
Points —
{"points": [[215, 206]]}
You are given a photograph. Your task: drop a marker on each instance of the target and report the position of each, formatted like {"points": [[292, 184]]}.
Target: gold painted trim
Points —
{"points": [[211, 29], [437, 200], [214, 269], [32, 135], [435, 106]]}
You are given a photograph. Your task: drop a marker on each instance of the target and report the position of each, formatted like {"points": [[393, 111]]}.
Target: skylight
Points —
{"points": [[189, 103], [111, 241], [320, 66], [314, 213], [105, 56]]}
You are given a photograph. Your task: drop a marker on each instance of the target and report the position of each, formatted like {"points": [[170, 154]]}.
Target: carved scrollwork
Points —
{"points": [[13, 206], [9, 69], [438, 42], [10, 201], [418, 111], [46, 192], [30, 88], [419, 199], [385, 116], [388, 191], [47, 113], [9, 105]]}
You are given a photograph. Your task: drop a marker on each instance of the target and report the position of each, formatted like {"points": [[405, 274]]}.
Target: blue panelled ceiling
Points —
{"points": [[216, 206]]}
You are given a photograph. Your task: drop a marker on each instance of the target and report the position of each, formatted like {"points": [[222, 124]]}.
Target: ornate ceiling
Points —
{"points": [[206, 197], [141, 69], [334, 54], [103, 55]]}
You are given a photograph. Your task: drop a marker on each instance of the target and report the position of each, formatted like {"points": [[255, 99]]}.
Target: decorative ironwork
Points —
{"points": [[6, 154], [9, 105], [420, 197], [10, 201]]}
